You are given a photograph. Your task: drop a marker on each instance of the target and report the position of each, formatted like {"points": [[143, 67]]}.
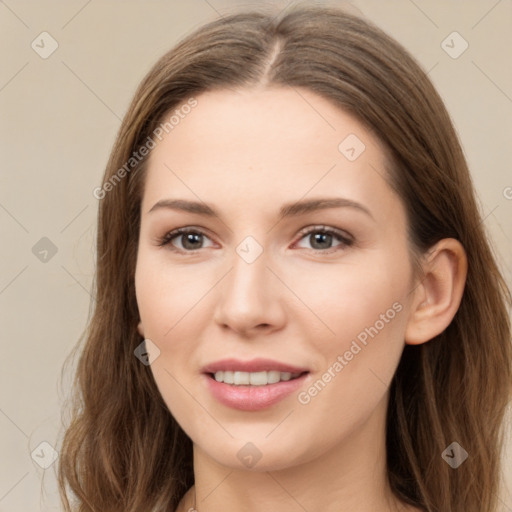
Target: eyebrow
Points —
{"points": [[287, 210]]}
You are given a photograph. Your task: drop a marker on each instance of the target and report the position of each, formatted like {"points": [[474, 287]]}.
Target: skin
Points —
{"points": [[245, 153]]}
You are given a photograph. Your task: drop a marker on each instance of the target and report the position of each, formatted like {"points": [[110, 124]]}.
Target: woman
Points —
{"points": [[296, 305]]}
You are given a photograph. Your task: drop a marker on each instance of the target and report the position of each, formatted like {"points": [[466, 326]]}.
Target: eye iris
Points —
{"points": [[319, 238], [191, 238]]}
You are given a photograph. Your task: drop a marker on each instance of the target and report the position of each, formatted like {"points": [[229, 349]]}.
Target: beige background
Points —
{"points": [[58, 120]]}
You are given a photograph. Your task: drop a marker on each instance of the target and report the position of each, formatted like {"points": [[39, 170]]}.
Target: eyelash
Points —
{"points": [[345, 240]]}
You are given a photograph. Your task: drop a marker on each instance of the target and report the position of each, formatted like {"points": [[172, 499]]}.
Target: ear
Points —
{"points": [[438, 295], [140, 329]]}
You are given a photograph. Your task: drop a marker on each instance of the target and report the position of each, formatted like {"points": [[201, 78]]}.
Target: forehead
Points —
{"points": [[262, 145]]}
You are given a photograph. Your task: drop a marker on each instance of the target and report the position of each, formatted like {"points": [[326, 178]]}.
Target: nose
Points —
{"points": [[250, 298]]}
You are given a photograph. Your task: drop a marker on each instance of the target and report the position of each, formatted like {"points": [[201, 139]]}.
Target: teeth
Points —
{"points": [[253, 378]]}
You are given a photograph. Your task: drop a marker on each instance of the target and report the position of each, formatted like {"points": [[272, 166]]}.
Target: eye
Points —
{"points": [[321, 238], [190, 239]]}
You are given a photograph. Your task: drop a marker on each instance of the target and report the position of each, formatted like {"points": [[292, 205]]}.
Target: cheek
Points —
{"points": [[366, 310], [345, 300], [364, 307], [168, 298], [167, 302]]}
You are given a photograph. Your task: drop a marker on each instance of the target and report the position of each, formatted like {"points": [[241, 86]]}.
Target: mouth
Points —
{"points": [[263, 378], [252, 385]]}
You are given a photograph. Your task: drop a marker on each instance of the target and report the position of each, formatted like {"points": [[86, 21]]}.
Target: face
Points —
{"points": [[273, 277]]}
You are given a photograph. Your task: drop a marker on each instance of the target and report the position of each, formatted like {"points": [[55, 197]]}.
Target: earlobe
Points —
{"points": [[438, 295], [140, 329]]}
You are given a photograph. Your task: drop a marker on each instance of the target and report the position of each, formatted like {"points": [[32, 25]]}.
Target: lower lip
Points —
{"points": [[253, 398]]}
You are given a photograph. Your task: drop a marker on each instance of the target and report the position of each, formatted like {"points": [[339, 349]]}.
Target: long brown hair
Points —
{"points": [[123, 450]]}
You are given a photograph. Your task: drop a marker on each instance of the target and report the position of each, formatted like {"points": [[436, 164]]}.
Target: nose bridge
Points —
{"points": [[248, 282], [248, 295]]}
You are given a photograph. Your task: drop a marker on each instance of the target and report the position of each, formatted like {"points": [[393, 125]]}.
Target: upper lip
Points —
{"points": [[254, 365]]}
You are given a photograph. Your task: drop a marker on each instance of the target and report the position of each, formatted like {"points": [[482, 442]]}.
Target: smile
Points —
{"points": [[239, 378]]}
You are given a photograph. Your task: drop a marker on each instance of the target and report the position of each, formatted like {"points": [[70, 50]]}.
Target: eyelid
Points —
{"points": [[175, 233], [344, 237]]}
